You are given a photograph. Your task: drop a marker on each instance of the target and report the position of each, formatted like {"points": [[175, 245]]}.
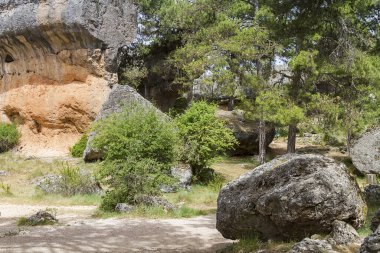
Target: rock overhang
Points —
{"points": [[58, 62]]}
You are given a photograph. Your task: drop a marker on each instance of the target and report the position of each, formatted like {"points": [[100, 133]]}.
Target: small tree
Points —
{"points": [[205, 136], [265, 108]]}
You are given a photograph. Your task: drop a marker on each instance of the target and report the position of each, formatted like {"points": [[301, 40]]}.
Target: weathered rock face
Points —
{"points": [[366, 152], [246, 132], [58, 62], [289, 198]]}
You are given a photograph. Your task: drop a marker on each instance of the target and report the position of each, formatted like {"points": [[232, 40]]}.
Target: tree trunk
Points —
{"points": [[292, 139], [349, 138], [262, 148], [231, 104]]}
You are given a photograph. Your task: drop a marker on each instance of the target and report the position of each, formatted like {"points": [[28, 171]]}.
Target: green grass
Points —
{"points": [[152, 213], [23, 221], [254, 244], [22, 171], [365, 230]]}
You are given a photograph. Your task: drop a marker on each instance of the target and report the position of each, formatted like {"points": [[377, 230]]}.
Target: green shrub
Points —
{"points": [[140, 132], [9, 136], [79, 147], [131, 178], [205, 136], [140, 145]]}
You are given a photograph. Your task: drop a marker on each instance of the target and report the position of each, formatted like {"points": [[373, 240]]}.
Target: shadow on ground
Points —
{"points": [[119, 235]]}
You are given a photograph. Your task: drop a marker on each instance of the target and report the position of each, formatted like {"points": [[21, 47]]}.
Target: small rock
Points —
{"points": [[3, 173], [42, 218], [183, 173], [124, 208], [155, 201], [344, 233], [308, 245]]}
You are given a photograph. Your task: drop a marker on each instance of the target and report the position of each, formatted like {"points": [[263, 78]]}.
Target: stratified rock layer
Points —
{"points": [[366, 152], [58, 62], [289, 198]]}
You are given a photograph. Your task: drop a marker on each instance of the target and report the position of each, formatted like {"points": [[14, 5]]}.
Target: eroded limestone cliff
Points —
{"points": [[58, 63]]}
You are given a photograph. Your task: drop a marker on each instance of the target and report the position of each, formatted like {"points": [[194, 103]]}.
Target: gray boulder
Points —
{"points": [[371, 244], [289, 198], [246, 132], [372, 193], [365, 153], [120, 96], [312, 246], [343, 233]]}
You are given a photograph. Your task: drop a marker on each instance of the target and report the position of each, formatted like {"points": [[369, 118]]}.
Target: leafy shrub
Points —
{"points": [[79, 147], [139, 132], [205, 136], [140, 145], [131, 178], [9, 136]]}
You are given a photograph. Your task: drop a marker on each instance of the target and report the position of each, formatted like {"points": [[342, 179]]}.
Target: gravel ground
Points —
{"points": [[78, 233]]}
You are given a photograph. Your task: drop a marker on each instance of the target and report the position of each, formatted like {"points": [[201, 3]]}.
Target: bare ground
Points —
{"points": [[79, 233]]}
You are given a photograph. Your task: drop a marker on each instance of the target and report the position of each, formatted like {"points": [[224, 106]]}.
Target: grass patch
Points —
{"points": [[22, 171], [254, 244], [23, 221], [152, 213], [365, 230]]}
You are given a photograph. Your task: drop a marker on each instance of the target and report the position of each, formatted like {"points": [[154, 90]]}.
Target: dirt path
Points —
{"points": [[78, 233]]}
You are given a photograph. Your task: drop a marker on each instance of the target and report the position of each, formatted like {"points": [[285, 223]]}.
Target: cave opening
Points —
{"points": [[9, 58]]}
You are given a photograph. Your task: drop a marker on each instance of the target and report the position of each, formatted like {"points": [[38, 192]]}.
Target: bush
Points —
{"points": [[9, 136], [131, 178], [139, 132], [140, 145], [79, 147], [205, 136]]}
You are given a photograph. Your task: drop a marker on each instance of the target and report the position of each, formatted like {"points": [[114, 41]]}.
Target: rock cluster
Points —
{"points": [[288, 198], [58, 63]]}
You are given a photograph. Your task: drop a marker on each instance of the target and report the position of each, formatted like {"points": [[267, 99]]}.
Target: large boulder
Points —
{"points": [[246, 132], [58, 63], [365, 153], [290, 197]]}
